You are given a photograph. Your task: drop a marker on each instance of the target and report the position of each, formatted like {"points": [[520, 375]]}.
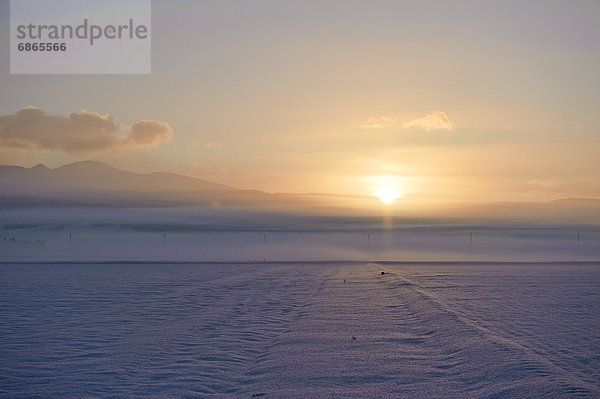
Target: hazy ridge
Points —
{"points": [[96, 184]]}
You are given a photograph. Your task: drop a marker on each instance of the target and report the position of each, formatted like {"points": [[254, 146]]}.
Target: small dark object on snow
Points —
{"points": [[382, 273]]}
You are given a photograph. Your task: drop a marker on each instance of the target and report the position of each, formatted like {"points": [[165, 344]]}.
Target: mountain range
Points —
{"points": [[98, 184], [93, 183], [97, 176]]}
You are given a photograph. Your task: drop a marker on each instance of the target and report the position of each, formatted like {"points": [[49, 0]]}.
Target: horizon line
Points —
{"points": [[316, 262]]}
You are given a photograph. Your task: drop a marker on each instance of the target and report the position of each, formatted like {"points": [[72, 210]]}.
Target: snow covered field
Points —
{"points": [[298, 330]]}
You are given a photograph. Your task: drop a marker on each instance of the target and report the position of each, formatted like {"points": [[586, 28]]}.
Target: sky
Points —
{"points": [[447, 100]]}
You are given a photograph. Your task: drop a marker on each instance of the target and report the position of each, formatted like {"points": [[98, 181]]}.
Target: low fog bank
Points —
{"points": [[252, 235], [292, 207]]}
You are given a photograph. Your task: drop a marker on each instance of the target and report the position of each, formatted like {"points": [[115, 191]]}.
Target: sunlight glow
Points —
{"points": [[388, 189]]}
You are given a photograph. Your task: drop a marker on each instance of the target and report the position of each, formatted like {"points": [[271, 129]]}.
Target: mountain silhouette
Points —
{"points": [[94, 176]]}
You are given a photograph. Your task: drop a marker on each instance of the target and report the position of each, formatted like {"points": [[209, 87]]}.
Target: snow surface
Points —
{"points": [[299, 330]]}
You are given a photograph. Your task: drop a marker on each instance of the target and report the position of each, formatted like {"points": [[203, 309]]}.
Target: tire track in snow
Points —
{"points": [[574, 384]]}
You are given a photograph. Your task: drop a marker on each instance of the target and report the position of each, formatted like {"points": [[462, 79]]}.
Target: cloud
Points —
{"points": [[437, 120], [82, 132], [376, 123]]}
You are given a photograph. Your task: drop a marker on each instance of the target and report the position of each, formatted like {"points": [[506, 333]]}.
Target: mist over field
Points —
{"points": [[91, 211], [206, 234]]}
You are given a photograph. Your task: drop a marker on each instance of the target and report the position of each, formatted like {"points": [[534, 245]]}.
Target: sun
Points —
{"points": [[388, 189]]}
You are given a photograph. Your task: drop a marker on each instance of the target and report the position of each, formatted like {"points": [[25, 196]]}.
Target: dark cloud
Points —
{"points": [[82, 132]]}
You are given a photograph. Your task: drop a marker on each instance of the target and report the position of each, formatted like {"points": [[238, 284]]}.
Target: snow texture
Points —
{"points": [[283, 330]]}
